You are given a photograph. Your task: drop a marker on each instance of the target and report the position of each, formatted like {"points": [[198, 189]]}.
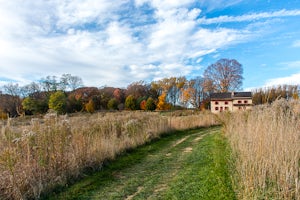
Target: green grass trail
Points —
{"points": [[182, 165]]}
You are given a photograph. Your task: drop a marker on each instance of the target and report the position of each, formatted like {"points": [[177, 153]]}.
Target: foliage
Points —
{"points": [[130, 103], [10, 104], [113, 104], [90, 106], [150, 104], [270, 94], [223, 76], [162, 104], [58, 102], [143, 105], [74, 105]]}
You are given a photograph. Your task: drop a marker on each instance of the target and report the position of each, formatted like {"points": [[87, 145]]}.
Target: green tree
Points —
{"points": [[150, 104], [113, 104], [58, 102], [130, 103]]}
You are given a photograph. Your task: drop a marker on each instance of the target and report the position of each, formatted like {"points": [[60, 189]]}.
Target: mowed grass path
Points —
{"points": [[181, 165]]}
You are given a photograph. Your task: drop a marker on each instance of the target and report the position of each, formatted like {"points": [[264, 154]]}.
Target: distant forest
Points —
{"points": [[67, 94]]}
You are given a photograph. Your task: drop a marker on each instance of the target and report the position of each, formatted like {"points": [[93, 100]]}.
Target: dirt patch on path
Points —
{"points": [[139, 189], [180, 141], [188, 150]]}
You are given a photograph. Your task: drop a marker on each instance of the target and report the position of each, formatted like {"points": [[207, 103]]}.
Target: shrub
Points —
{"points": [[112, 104], [130, 103], [90, 106], [58, 102], [150, 104]]}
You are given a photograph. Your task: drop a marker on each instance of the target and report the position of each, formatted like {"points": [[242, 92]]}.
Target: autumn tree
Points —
{"points": [[90, 106], [162, 104], [150, 104], [58, 102], [223, 76], [33, 105], [130, 103], [137, 89], [113, 104]]}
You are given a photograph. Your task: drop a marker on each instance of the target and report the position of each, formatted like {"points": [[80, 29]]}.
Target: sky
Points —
{"points": [[115, 43]]}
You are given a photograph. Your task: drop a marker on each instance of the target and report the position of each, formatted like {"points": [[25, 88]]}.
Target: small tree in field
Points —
{"points": [[150, 104], [162, 104], [58, 102], [143, 105], [112, 104], [130, 103], [90, 106]]}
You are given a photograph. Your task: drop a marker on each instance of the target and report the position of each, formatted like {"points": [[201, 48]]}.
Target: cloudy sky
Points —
{"points": [[118, 42]]}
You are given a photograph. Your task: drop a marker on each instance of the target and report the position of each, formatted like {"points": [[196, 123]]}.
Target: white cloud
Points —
{"points": [[291, 65], [250, 17], [296, 43], [90, 39], [293, 79], [217, 4]]}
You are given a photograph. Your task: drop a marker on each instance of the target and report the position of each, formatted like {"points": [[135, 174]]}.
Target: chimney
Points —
{"points": [[232, 94]]}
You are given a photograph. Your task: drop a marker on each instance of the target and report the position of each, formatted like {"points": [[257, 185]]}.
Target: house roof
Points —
{"points": [[224, 95], [242, 94], [230, 95]]}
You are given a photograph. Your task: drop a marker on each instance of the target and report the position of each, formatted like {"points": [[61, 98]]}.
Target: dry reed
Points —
{"points": [[38, 155], [266, 149]]}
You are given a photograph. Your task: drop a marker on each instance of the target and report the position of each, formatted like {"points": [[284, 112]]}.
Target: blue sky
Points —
{"points": [[118, 42]]}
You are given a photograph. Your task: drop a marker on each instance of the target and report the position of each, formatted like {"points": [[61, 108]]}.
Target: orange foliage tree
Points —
{"points": [[162, 104], [143, 105]]}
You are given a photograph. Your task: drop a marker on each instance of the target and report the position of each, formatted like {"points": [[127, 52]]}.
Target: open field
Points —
{"points": [[266, 146], [39, 155], [182, 165]]}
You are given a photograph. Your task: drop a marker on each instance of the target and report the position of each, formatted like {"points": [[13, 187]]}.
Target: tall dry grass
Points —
{"points": [[266, 148], [38, 155]]}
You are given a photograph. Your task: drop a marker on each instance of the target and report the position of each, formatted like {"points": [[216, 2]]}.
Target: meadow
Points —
{"points": [[266, 150], [38, 155]]}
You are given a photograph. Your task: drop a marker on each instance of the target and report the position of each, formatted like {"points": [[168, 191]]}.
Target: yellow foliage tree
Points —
{"points": [[162, 104], [90, 106]]}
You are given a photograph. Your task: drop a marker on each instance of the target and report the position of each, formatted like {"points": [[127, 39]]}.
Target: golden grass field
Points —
{"points": [[266, 148], [38, 154]]}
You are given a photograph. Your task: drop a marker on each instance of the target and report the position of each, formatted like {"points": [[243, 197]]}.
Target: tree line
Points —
{"points": [[67, 94]]}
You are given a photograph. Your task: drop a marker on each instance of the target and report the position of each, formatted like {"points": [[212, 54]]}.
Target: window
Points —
{"points": [[239, 101], [226, 102], [245, 101], [221, 109], [217, 103], [216, 108], [226, 108]]}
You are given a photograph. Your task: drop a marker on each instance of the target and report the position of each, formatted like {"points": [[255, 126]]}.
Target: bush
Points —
{"points": [[150, 104], [112, 104], [58, 102], [130, 103]]}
